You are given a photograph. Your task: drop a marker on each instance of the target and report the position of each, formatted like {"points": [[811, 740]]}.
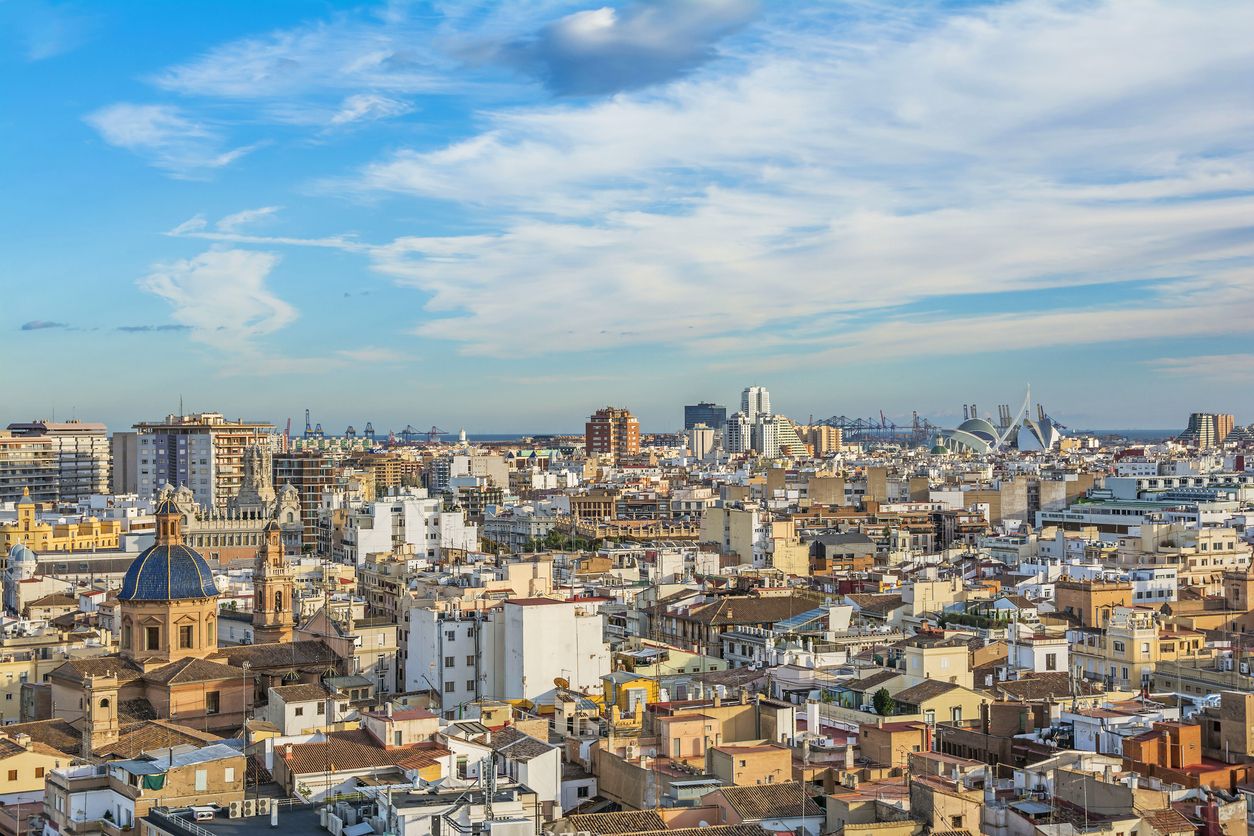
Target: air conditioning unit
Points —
{"points": [[235, 809], [250, 807], [263, 806]]}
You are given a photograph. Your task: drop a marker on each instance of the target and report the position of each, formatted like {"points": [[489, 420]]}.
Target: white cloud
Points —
{"points": [[1028, 146], [362, 107], [345, 53], [222, 295], [233, 222], [165, 136]]}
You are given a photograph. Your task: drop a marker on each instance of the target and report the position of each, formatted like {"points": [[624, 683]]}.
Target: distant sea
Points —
{"points": [[452, 437]]}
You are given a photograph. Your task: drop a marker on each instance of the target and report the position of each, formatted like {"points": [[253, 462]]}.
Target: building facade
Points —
{"points": [[203, 451], [612, 432]]}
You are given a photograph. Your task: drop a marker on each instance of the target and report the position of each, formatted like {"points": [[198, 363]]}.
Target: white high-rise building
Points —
{"points": [[755, 401], [773, 435], [82, 456], [701, 441], [739, 433]]}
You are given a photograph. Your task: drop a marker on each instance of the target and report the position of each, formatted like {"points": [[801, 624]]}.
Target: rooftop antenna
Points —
{"points": [[180, 404]]}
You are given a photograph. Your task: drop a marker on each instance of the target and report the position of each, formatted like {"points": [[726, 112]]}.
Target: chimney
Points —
{"points": [[387, 709]]}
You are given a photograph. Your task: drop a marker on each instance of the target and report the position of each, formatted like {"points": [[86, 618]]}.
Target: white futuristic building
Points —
{"points": [[980, 435]]}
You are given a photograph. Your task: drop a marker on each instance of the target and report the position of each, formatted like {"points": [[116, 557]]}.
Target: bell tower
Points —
{"points": [[100, 715], [274, 588]]}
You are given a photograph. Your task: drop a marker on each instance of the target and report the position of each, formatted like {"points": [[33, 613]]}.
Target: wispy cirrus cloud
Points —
{"points": [[1230, 369], [165, 136]]}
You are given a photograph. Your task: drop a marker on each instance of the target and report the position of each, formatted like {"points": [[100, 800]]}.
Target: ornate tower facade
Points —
{"points": [[274, 587]]}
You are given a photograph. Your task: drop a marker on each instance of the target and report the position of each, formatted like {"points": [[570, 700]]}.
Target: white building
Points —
{"points": [[739, 431], [755, 401], [515, 651], [411, 518]]}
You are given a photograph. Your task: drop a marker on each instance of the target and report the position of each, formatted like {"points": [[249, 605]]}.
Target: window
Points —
{"points": [[929, 717], [449, 635], [448, 687], [449, 661], [581, 792], [742, 763], [470, 685], [955, 713], [470, 661], [152, 638], [300, 711], [955, 822], [202, 780], [228, 775], [1051, 661], [12, 774], [39, 772], [322, 708], [1119, 647], [213, 702], [185, 636]]}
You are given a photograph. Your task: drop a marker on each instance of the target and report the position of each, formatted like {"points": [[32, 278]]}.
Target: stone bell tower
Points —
{"points": [[274, 587], [100, 712]]}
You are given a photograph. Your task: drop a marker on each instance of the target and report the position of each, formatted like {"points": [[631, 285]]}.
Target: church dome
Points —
{"points": [[21, 553], [168, 570], [168, 573]]}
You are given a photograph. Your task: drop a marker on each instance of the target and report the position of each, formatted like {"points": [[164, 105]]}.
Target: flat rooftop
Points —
{"points": [[294, 821]]}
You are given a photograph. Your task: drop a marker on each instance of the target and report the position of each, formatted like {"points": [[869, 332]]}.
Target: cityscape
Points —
{"points": [[627, 418]]}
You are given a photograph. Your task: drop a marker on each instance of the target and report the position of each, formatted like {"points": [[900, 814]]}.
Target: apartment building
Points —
{"points": [[612, 432], [204, 451], [82, 454]]}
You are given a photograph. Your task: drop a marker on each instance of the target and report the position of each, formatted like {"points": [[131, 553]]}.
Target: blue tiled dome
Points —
{"points": [[20, 553], [168, 573]]}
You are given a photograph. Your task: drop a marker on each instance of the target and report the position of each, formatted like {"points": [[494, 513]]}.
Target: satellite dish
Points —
{"points": [[562, 682]]}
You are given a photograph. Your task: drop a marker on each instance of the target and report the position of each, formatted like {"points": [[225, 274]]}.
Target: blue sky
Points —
{"points": [[504, 215]]}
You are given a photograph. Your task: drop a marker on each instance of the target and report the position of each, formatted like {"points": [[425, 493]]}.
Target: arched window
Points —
{"points": [[104, 703], [278, 601]]}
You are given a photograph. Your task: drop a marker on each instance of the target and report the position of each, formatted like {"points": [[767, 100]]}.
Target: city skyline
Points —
{"points": [[506, 216]]}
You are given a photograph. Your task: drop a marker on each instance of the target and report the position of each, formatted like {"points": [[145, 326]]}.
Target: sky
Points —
{"points": [[504, 215]]}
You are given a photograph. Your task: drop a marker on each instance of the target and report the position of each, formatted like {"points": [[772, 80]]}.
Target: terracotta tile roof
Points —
{"points": [[77, 670], [137, 738], [627, 821], [54, 599], [192, 670], [57, 734], [1168, 821], [354, 750], [10, 747], [304, 692], [874, 681], [1044, 686], [277, 655], [875, 604], [924, 691], [136, 710], [753, 803], [712, 830], [517, 746]]}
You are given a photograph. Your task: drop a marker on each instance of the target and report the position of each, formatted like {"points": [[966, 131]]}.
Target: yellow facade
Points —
{"points": [[25, 764], [90, 534], [15, 669]]}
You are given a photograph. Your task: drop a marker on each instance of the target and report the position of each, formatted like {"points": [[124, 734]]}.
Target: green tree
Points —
{"points": [[884, 703]]}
